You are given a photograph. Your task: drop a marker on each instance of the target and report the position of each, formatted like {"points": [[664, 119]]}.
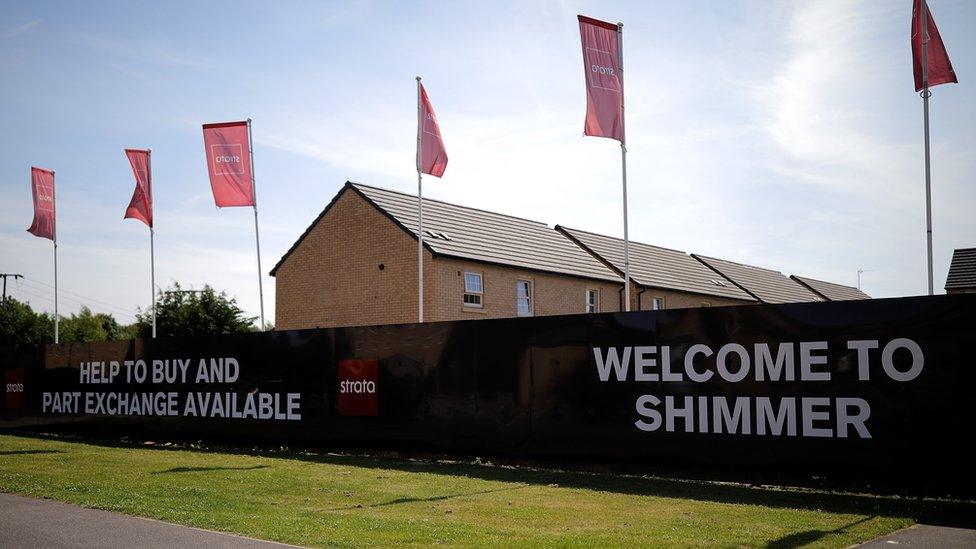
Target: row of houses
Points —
{"points": [[356, 264]]}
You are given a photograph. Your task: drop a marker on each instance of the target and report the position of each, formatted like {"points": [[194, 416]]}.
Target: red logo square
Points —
{"points": [[358, 387], [13, 389]]}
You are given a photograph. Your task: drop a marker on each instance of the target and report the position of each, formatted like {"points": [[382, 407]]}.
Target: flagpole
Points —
{"points": [[54, 202], [420, 214], [152, 252], [925, 113], [257, 240], [623, 165]]}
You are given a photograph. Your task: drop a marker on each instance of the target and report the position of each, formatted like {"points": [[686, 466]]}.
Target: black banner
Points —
{"points": [[867, 389]]}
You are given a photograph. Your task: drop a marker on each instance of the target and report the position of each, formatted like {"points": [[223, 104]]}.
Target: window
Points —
{"points": [[657, 303], [523, 295], [473, 290], [593, 301]]}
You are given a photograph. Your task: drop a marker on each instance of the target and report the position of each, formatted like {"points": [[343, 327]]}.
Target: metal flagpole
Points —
{"points": [[420, 212], [623, 165], [257, 240], [54, 203], [925, 110], [152, 252], [152, 279]]}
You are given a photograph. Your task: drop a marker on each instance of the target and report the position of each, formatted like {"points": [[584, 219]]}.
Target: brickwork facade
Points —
{"points": [[550, 294], [678, 300], [355, 267]]}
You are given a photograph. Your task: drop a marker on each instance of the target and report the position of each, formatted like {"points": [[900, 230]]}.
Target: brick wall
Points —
{"points": [[679, 300], [333, 277], [552, 294]]}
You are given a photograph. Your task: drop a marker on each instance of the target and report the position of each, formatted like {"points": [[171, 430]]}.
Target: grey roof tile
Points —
{"points": [[766, 284], [830, 290], [962, 269], [488, 236], [657, 267]]}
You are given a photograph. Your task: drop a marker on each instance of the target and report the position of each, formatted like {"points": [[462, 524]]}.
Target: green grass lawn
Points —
{"points": [[327, 500]]}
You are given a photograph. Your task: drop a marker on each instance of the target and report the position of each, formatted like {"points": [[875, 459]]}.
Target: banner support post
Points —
{"points": [[257, 239], [420, 214], [623, 166], [54, 196], [925, 115], [152, 251], [152, 279]]}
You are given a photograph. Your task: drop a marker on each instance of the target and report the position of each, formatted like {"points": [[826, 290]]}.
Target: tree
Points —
{"points": [[87, 326], [83, 326], [192, 313], [20, 324]]}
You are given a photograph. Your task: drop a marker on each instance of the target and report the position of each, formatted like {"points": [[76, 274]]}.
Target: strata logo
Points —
{"points": [[228, 159], [358, 387], [13, 389]]}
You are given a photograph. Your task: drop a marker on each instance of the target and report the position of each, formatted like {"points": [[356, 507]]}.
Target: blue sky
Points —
{"points": [[782, 134]]}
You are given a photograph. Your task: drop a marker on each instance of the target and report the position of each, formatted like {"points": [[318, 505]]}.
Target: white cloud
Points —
{"points": [[19, 30]]}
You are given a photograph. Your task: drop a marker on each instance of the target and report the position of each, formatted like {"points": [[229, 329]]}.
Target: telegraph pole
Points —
{"points": [[5, 276]]}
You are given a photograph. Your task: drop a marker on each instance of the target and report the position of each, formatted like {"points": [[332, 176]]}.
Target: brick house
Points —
{"points": [[356, 264]]}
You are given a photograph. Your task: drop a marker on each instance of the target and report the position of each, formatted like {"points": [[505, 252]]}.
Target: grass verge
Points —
{"points": [[327, 500]]}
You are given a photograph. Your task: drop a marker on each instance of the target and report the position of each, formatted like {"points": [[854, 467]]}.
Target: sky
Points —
{"points": [[781, 134]]}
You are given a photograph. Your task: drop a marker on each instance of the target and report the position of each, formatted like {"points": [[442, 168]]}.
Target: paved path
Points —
{"points": [[29, 522], [923, 535]]}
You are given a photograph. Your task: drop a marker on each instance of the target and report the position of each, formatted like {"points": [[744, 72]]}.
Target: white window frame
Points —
{"points": [[530, 297], [596, 300], [480, 295], [655, 300]]}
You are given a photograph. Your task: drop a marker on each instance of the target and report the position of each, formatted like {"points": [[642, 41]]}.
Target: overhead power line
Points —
{"points": [[35, 288]]}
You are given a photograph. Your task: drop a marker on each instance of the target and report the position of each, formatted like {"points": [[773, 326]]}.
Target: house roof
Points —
{"points": [[962, 270], [477, 235], [830, 290], [767, 285], [656, 267]]}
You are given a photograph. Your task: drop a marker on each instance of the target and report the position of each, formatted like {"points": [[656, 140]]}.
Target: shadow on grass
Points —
{"points": [[199, 469], [26, 452], [800, 539], [957, 513], [399, 501]]}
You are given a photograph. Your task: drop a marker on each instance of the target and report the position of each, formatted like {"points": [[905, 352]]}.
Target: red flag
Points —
{"points": [[604, 78], [42, 187], [229, 162], [939, 68], [432, 158], [140, 207]]}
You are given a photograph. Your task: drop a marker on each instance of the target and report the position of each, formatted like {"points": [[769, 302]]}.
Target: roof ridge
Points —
{"points": [[384, 189], [621, 239]]}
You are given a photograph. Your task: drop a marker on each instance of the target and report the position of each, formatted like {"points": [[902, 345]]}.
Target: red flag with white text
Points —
{"points": [[42, 189], [432, 158], [604, 78], [939, 67], [229, 162], [140, 207]]}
